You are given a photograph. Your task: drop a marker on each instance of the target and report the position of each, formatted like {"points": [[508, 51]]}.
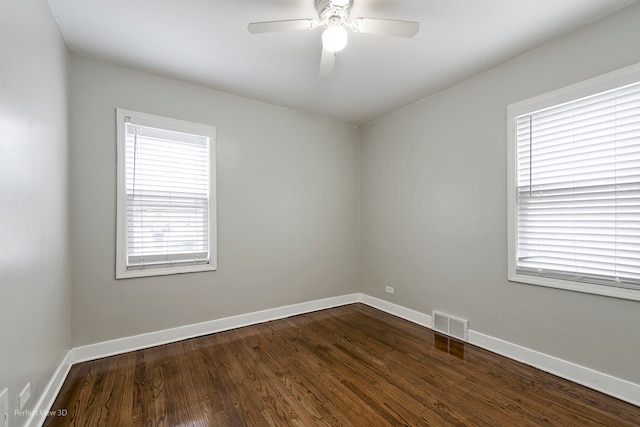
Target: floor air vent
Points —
{"points": [[450, 325]]}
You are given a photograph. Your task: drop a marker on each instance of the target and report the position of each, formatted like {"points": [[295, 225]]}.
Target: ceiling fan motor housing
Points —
{"points": [[332, 12]]}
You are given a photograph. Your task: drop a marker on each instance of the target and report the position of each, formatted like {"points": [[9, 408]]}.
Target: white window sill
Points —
{"points": [[164, 271], [609, 291]]}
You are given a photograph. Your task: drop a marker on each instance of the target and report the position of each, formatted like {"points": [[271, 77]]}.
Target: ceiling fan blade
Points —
{"points": [[386, 27], [327, 61], [287, 25]]}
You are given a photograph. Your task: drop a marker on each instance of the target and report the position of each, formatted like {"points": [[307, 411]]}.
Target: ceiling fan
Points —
{"points": [[333, 15]]}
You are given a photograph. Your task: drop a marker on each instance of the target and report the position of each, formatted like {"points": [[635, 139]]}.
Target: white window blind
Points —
{"points": [[578, 190], [166, 211]]}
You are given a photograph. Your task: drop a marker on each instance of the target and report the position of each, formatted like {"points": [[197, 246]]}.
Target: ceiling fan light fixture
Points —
{"points": [[334, 38], [334, 15]]}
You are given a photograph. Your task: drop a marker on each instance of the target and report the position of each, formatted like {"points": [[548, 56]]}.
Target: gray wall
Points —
{"points": [[34, 290], [434, 207], [287, 206]]}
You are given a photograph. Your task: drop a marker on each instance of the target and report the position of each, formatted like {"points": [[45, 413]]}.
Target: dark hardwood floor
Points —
{"points": [[347, 366]]}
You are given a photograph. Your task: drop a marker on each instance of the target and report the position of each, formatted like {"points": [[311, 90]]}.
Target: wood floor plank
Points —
{"points": [[347, 366]]}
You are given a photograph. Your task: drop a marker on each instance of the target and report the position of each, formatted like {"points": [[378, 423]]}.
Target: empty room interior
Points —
{"points": [[319, 212]]}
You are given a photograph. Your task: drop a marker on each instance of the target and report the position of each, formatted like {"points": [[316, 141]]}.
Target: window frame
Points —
{"points": [[612, 80], [122, 272]]}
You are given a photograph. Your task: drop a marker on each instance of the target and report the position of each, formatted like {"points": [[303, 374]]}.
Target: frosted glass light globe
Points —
{"points": [[334, 39]]}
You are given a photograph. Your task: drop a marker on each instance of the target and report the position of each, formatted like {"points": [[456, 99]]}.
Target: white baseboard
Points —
{"points": [[607, 384], [50, 392], [398, 310], [152, 339], [604, 383]]}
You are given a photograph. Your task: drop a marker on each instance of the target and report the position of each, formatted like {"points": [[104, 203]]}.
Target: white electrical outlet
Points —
{"points": [[4, 408], [24, 395], [388, 289]]}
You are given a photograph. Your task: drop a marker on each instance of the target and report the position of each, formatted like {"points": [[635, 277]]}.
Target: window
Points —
{"points": [[574, 187], [166, 217]]}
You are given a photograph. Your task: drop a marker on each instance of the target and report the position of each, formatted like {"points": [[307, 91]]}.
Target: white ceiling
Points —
{"points": [[207, 42]]}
